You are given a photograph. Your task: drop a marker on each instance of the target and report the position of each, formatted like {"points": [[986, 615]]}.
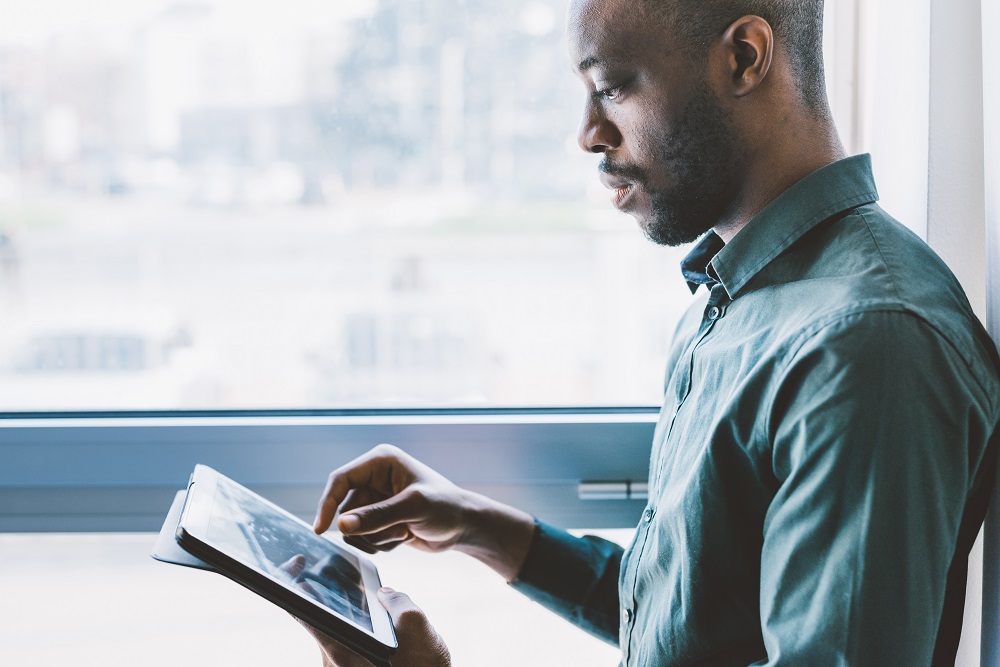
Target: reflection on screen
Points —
{"points": [[252, 532]]}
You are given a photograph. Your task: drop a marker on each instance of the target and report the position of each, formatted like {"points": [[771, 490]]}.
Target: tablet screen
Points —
{"points": [[271, 542]]}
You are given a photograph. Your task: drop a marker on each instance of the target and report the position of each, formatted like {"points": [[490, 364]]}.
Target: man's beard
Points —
{"points": [[698, 157]]}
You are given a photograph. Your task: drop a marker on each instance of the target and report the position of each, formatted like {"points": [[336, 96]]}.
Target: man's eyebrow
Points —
{"points": [[587, 63]]}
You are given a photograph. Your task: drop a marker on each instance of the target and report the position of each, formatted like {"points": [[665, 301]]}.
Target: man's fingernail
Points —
{"points": [[349, 523], [385, 590]]}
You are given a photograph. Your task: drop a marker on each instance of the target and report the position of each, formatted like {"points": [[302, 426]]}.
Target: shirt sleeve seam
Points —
{"points": [[881, 253]]}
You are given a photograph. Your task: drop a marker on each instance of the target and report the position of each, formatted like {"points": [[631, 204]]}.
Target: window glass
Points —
{"points": [[210, 204], [221, 204]]}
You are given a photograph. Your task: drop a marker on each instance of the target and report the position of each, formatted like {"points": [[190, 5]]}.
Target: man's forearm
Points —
{"points": [[496, 534]]}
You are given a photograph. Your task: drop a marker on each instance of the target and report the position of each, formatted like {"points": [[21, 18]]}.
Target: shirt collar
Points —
{"points": [[697, 266], [833, 189]]}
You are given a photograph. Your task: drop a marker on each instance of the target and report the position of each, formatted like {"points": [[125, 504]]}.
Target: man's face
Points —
{"points": [[669, 146]]}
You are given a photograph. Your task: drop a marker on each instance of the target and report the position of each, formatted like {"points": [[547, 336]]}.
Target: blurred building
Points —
{"points": [[422, 100]]}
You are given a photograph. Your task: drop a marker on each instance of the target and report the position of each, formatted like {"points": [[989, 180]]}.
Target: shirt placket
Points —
{"points": [[714, 310]]}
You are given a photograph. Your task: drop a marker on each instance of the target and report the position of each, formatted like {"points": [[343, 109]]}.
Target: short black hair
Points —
{"points": [[797, 25]]}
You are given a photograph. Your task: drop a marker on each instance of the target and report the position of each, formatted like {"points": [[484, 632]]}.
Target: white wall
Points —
{"points": [[956, 205], [877, 62], [991, 143]]}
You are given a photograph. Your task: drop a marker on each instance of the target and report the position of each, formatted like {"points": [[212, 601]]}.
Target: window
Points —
{"points": [[210, 205]]}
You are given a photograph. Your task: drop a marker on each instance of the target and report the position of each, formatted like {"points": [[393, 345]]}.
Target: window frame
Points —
{"points": [[117, 472]]}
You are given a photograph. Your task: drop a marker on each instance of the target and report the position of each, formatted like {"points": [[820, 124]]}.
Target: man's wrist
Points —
{"points": [[496, 534]]}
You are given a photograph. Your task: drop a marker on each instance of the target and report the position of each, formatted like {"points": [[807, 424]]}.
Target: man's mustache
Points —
{"points": [[626, 171]]}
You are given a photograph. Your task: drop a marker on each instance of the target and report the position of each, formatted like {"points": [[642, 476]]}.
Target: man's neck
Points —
{"points": [[782, 164]]}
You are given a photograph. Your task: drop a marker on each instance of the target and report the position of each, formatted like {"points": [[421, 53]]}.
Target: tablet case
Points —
{"points": [[167, 550]]}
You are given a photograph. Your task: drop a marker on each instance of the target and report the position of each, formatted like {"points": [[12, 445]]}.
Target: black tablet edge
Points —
{"points": [[365, 645], [356, 639]]}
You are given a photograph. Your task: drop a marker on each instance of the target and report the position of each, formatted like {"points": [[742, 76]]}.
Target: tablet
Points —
{"points": [[330, 586]]}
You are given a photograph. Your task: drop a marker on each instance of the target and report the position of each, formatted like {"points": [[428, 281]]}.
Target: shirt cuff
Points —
{"points": [[544, 567]]}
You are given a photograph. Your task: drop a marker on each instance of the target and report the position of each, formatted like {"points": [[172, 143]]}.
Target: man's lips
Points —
{"points": [[621, 194], [622, 189]]}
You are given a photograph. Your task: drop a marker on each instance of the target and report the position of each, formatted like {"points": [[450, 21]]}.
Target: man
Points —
{"points": [[827, 441]]}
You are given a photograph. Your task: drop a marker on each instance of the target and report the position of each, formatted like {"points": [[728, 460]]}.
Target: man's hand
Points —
{"points": [[386, 498], [419, 643]]}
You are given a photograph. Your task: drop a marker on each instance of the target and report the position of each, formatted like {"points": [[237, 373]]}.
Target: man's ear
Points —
{"points": [[748, 45]]}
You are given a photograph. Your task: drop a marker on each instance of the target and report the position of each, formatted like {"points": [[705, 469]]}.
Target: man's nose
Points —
{"points": [[597, 134]]}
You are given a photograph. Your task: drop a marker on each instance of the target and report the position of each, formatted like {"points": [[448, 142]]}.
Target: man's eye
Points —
{"points": [[611, 93]]}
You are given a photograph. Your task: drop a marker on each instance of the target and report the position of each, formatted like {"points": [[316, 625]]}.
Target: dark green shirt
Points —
{"points": [[822, 460]]}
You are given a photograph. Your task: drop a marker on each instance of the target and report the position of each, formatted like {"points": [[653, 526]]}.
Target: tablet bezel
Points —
{"points": [[192, 536]]}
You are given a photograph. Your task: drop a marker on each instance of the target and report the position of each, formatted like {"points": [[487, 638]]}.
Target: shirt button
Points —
{"points": [[626, 615], [648, 514], [714, 313]]}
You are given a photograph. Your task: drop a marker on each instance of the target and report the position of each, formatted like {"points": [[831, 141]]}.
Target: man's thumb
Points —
{"points": [[378, 516], [368, 519], [419, 642], [400, 607]]}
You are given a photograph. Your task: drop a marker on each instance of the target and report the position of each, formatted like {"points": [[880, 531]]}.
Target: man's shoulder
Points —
{"points": [[860, 275], [868, 250], [865, 261]]}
